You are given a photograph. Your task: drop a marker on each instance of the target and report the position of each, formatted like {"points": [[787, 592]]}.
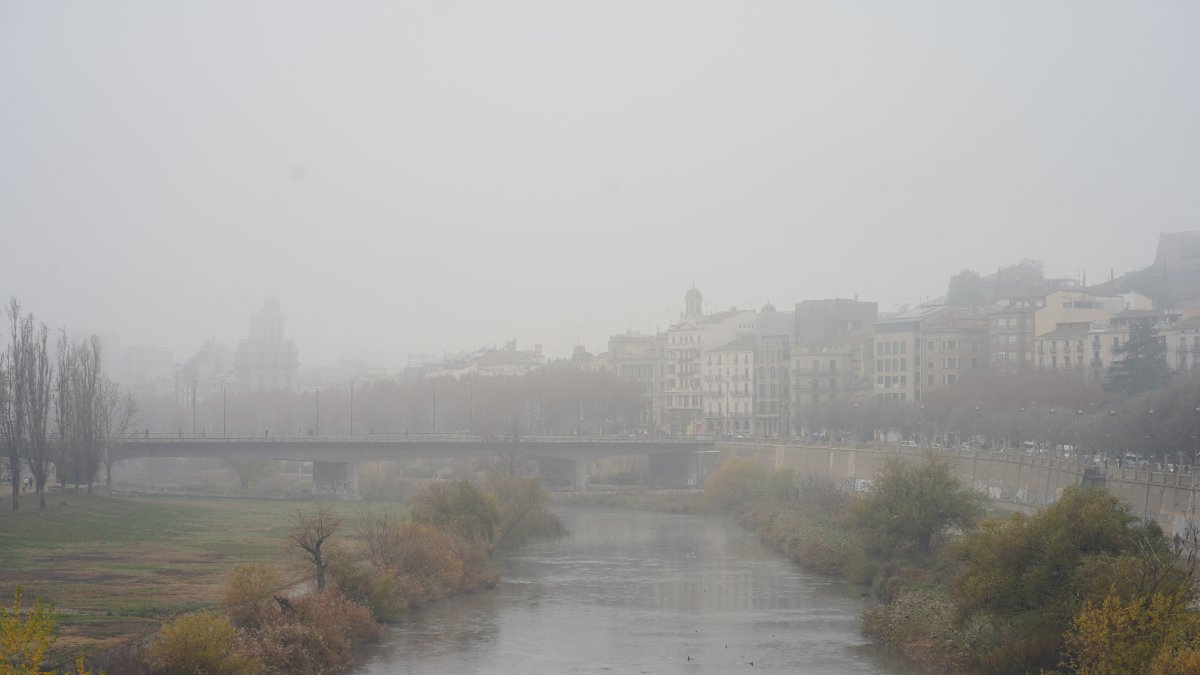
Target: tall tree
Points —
{"points": [[64, 409], [966, 288], [40, 372], [1143, 363], [16, 383]]}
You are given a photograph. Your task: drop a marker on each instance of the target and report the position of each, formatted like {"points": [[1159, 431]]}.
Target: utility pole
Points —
{"points": [[433, 422], [317, 430], [193, 408]]}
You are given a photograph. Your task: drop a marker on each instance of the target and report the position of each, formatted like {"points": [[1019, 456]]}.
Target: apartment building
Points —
{"points": [[928, 348], [638, 358], [728, 383], [680, 405], [834, 370], [1088, 348]]}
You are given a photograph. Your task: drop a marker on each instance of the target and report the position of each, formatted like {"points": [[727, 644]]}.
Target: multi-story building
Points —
{"points": [[638, 358], [266, 359], [775, 334], [1076, 306], [729, 387], [835, 370], [1011, 334], [208, 373], [929, 348], [680, 404], [1017, 324], [1183, 345], [1089, 348], [823, 321]]}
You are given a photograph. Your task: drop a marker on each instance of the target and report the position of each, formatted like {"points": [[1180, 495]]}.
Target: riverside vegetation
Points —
{"points": [[1081, 586], [352, 571]]}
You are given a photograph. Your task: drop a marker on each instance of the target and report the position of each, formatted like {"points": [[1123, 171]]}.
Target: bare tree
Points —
{"points": [[309, 532], [249, 471], [64, 409], [16, 397], [89, 410], [116, 420], [381, 533], [40, 372], [6, 413]]}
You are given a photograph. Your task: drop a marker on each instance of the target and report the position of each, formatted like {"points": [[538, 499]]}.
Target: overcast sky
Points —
{"points": [[421, 177]]}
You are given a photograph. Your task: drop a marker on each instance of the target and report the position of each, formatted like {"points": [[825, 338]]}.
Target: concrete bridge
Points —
{"points": [[335, 458]]}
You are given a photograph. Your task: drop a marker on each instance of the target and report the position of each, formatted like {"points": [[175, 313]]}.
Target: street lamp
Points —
{"points": [[1020, 415]]}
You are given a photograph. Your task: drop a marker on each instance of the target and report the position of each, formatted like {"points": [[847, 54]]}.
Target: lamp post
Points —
{"points": [[974, 454], [857, 426], [193, 408], [1018, 445]]}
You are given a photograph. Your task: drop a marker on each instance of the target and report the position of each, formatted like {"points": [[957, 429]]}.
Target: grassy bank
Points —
{"points": [[117, 567]]}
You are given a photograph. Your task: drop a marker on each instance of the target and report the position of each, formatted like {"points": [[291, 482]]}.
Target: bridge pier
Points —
{"points": [[335, 479], [684, 468], [558, 473]]}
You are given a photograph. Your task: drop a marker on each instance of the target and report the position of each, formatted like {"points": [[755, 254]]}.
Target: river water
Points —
{"points": [[633, 592]]}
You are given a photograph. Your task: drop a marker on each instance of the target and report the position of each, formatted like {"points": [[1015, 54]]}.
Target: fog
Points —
{"points": [[428, 177]]}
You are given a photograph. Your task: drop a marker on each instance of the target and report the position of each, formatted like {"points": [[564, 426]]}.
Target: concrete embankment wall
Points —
{"points": [[1169, 498]]}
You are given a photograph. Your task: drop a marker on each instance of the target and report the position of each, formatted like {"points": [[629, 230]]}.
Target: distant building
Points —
{"points": [[822, 321], [776, 333], [929, 348], [838, 369], [1087, 349], [266, 359], [1178, 262], [680, 407], [205, 374], [638, 358], [147, 371], [728, 387]]}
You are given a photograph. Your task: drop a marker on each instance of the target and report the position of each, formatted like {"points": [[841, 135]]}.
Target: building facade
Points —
{"points": [[266, 359]]}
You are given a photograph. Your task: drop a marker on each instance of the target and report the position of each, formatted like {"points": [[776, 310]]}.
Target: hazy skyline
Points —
{"points": [[427, 177]]}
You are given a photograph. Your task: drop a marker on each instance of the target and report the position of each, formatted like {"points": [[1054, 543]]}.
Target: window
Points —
{"points": [[951, 362]]}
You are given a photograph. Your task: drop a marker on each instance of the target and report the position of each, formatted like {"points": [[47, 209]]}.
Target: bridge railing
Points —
{"points": [[410, 438]]}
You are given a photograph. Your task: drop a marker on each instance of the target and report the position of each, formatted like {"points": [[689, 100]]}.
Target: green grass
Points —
{"points": [[116, 567]]}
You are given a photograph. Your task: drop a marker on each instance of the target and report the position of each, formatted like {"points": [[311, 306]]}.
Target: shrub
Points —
{"points": [[522, 509], [200, 644], [459, 508], [316, 636], [736, 484], [427, 563], [249, 594], [25, 635]]}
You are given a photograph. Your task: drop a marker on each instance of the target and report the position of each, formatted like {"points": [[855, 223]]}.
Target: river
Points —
{"points": [[634, 592]]}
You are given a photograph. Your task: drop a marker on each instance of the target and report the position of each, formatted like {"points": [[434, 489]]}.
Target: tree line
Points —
{"points": [[57, 409]]}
